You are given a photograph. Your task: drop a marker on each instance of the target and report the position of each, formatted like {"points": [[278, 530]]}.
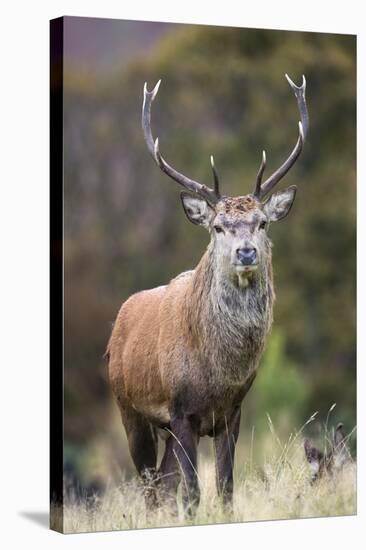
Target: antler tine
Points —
{"points": [[153, 146], [146, 116], [216, 178], [299, 92], [257, 192]]}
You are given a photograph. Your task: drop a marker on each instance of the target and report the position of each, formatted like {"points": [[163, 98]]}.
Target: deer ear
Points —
{"points": [[279, 204], [197, 210], [307, 448], [313, 456], [339, 435], [341, 450]]}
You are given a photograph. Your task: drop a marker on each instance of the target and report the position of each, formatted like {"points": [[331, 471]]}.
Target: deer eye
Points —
{"points": [[218, 229], [263, 224]]}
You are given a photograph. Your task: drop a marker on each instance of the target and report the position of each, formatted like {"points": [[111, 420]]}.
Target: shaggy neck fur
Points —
{"points": [[228, 322]]}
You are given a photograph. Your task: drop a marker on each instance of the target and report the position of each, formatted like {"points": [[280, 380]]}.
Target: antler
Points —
{"points": [[263, 189], [257, 191], [212, 196], [215, 177]]}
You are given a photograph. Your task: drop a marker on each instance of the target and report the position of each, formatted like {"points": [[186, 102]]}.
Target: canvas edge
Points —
{"points": [[56, 274]]}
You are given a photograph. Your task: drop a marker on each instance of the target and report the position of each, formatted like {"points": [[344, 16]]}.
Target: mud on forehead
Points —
{"points": [[237, 205], [233, 208]]}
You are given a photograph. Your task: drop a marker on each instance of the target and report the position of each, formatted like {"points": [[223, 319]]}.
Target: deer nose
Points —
{"points": [[246, 256]]}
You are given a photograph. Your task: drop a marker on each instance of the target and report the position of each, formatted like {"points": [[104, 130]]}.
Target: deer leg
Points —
{"points": [[225, 442], [185, 431], [143, 450], [169, 476]]}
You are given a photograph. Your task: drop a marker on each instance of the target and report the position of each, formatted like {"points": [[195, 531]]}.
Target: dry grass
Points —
{"points": [[280, 489]]}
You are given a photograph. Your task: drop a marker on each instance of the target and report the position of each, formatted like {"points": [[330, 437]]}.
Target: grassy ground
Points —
{"points": [[278, 489]]}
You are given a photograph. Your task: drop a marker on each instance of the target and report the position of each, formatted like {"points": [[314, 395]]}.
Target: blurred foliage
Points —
{"points": [[223, 92], [282, 390]]}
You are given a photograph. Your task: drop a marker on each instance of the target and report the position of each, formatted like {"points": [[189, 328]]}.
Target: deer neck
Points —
{"points": [[229, 321]]}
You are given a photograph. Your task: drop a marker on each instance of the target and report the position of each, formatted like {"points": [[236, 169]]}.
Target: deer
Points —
{"points": [[183, 356], [325, 463]]}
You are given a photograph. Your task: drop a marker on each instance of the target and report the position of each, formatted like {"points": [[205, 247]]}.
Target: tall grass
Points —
{"points": [[278, 488]]}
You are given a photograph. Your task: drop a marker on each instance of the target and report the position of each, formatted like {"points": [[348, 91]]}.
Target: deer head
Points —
{"points": [[237, 225], [325, 462]]}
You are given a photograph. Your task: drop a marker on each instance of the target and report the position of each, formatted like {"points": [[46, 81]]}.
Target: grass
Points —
{"points": [[279, 488]]}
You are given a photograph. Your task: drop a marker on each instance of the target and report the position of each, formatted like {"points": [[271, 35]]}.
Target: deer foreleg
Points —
{"points": [[225, 442]]}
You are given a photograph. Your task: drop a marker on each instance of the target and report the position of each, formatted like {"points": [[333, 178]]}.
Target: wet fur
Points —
{"points": [[212, 330]]}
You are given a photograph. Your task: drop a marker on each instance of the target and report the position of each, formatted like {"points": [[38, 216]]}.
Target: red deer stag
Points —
{"points": [[183, 356]]}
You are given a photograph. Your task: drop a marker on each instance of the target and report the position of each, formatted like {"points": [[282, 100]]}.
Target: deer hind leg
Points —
{"points": [[143, 449], [225, 442], [169, 476]]}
